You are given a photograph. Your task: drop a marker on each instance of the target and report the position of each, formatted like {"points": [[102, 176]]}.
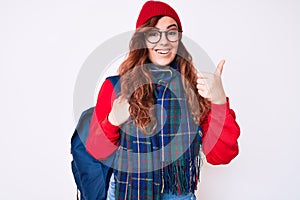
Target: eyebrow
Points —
{"points": [[172, 26]]}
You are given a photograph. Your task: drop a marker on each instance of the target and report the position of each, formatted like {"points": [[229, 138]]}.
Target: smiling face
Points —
{"points": [[163, 52]]}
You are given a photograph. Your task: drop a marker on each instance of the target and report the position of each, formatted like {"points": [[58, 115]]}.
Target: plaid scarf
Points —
{"points": [[167, 161]]}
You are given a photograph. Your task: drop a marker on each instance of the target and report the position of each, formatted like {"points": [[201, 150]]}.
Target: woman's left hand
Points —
{"points": [[210, 86]]}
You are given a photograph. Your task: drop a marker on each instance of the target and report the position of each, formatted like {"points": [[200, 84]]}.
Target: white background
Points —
{"points": [[43, 45]]}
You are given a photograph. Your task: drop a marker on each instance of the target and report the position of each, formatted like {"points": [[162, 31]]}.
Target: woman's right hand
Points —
{"points": [[119, 112]]}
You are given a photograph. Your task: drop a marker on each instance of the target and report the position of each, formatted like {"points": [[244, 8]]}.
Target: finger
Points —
{"points": [[204, 94], [201, 93], [201, 81], [220, 68], [201, 87]]}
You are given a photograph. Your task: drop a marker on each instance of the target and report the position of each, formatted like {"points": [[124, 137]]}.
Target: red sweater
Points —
{"points": [[219, 140]]}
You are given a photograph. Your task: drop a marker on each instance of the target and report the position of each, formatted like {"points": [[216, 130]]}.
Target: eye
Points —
{"points": [[152, 34], [172, 32]]}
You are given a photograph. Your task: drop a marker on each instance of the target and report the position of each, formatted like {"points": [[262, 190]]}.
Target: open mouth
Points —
{"points": [[163, 51]]}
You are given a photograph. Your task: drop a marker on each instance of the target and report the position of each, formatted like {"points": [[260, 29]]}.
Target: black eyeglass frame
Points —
{"points": [[160, 34]]}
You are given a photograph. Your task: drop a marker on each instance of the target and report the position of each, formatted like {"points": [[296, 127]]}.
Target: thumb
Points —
{"points": [[220, 68]]}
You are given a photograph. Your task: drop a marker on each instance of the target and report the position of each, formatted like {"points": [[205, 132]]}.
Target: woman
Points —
{"points": [[164, 113]]}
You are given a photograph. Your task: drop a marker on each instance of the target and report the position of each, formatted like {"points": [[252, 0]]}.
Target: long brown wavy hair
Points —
{"points": [[137, 87]]}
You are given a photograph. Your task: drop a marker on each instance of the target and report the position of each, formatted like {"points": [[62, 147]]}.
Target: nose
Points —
{"points": [[163, 40]]}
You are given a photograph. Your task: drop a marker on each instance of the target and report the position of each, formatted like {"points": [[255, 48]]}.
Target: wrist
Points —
{"points": [[112, 120], [221, 100]]}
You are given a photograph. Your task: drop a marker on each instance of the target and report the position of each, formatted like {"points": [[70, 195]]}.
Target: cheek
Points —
{"points": [[175, 48], [151, 52], [151, 55], [149, 45]]}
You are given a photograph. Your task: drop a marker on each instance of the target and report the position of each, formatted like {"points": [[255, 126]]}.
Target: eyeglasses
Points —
{"points": [[153, 36]]}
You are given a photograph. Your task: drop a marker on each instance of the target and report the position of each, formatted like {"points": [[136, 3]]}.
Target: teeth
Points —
{"points": [[163, 51]]}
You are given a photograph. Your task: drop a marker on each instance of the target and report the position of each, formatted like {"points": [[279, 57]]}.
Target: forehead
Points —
{"points": [[165, 22]]}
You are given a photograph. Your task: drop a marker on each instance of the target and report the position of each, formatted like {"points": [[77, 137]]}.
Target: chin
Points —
{"points": [[163, 63]]}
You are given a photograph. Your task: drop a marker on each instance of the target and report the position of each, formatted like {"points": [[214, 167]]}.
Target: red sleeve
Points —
{"points": [[103, 136], [220, 134]]}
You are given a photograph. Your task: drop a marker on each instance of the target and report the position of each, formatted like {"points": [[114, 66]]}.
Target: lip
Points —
{"points": [[162, 51]]}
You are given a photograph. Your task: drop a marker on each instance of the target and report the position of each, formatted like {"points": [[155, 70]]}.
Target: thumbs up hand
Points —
{"points": [[210, 86]]}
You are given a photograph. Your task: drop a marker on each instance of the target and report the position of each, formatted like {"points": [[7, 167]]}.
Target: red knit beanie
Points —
{"points": [[154, 8]]}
